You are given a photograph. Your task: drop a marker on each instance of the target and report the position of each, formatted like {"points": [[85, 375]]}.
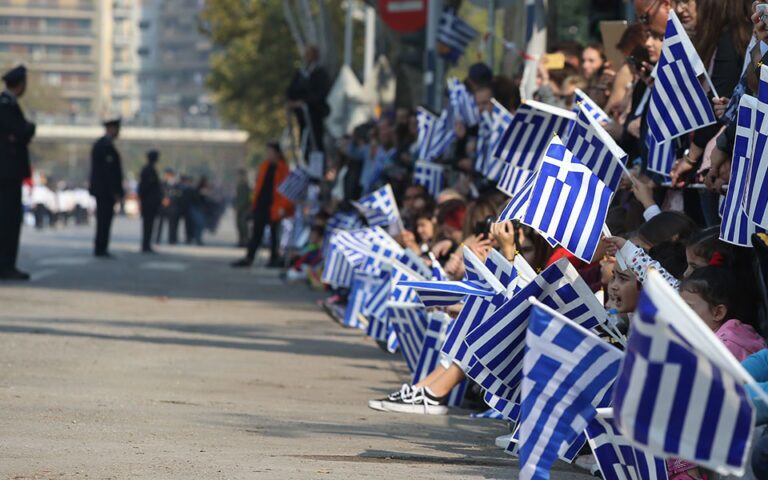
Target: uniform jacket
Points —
{"points": [[150, 189], [106, 169], [15, 135], [278, 200]]}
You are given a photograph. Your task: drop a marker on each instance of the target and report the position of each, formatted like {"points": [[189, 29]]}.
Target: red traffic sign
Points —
{"points": [[404, 16]]}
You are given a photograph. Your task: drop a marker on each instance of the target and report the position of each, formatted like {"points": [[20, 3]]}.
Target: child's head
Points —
{"points": [[623, 290], [671, 256], [425, 226], [709, 292], [705, 249], [667, 226], [533, 247]]}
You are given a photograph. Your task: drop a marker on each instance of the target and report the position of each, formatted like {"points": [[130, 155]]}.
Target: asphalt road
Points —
{"points": [[175, 366]]}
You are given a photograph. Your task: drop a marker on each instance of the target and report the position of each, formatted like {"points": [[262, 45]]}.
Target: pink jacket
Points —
{"points": [[741, 339]]}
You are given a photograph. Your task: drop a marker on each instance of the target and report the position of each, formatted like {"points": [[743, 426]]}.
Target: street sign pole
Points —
{"points": [[491, 33], [434, 9], [370, 41], [348, 32]]}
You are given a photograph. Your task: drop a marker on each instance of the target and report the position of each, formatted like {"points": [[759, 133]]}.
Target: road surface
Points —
{"points": [[175, 366]]}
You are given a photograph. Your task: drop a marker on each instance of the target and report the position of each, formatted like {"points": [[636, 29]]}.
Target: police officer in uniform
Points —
{"points": [[106, 184], [151, 197], [15, 135]]}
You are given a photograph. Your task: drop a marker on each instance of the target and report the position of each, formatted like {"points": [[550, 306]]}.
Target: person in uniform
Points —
{"points": [[106, 184], [15, 135], [151, 198]]}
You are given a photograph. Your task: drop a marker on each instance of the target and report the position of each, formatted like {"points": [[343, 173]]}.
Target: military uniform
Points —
{"points": [[151, 197], [15, 135], [106, 187]]}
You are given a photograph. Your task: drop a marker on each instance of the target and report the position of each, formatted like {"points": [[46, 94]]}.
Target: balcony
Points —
{"points": [[88, 5]]}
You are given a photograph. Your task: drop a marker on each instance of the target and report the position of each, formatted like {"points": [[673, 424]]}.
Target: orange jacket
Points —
{"points": [[279, 202]]}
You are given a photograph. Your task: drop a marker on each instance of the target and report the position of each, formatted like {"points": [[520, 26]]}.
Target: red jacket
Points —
{"points": [[279, 202]]}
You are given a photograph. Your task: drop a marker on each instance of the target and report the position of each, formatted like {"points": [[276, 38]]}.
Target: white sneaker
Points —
{"points": [[422, 402], [406, 390]]}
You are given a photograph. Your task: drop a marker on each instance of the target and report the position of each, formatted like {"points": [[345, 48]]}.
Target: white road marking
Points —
{"points": [[65, 261], [165, 266]]}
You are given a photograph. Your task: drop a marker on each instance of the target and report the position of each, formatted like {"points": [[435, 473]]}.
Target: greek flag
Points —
{"points": [[680, 392], [344, 221], [497, 344], [617, 457], [337, 271], [567, 372], [375, 308], [380, 207], [756, 189], [410, 325], [462, 103], [362, 286], [509, 411], [501, 117], [454, 35], [661, 156], [425, 121], [443, 136], [526, 140], [595, 148], [294, 187], [430, 176], [445, 294], [568, 202], [678, 102], [736, 227], [593, 109]]}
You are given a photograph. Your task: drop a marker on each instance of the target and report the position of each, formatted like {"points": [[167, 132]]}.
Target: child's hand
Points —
{"points": [[613, 245]]}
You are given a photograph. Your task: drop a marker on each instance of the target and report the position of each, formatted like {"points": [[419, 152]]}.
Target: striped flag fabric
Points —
{"points": [[567, 373], [592, 108], [337, 271], [380, 207], [526, 140], [410, 324], [429, 354], [425, 121], [477, 272], [680, 392], [678, 104], [430, 176], [568, 202], [755, 200], [375, 308], [445, 294], [596, 149], [483, 161], [443, 135], [344, 221], [617, 457], [294, 187], [661, 156], [737, 228], [501, 119], [497, 344], [463, 103], [362, 285], [453, 36]]}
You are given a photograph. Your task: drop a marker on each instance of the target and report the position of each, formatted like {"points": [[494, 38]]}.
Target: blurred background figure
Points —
{"points": [[309, 88], [151, 197], [269, 206], [15, 135], [106, 184], [169, 211], [242, 207]]}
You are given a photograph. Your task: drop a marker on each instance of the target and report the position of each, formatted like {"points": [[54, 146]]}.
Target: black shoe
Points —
{"points": [[421, 401], [242, 263], [13, 274]]}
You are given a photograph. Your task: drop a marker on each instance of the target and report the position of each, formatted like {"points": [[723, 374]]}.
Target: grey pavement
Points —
{"points": [[175, 366]]}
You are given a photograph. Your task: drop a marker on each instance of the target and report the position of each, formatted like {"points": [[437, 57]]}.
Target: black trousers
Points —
{"points": [[172, 218], [260, 222], [148, 216], [10, 222], [105, 213]]}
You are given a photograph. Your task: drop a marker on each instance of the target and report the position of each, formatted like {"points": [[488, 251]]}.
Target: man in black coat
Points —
{"points": [[15, 135], [309, 89], [106, 184], [151, 198]]}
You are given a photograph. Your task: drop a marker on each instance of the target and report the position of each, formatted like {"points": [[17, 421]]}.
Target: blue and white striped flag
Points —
{"points": [[736, 227], [375, 308], [756, 188], [501, 120], [678, 102], [526, 140], [592, 108], [567, 372], [410, 324], [430, 176], [429, 355], [344, 221], [453, 36], [443, 135], [510, 411], [661, 156], [498, 343], [568, 203], [463, 103], [425, 121], [294, 187], [380, 208], [617, 457], [680, 391], [595, 148], [362, 286], [337, 270]]}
